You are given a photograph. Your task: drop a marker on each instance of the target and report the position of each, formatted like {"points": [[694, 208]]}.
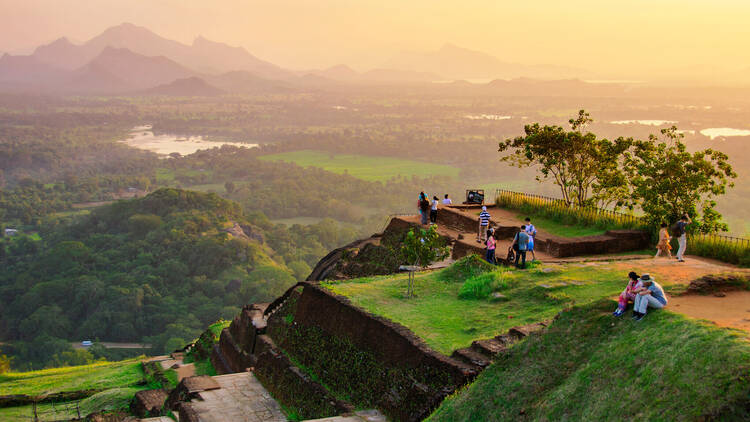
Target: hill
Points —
{"points": [[454, 62], [589, 366], [158, 268], [203, 55], [186, 87]]}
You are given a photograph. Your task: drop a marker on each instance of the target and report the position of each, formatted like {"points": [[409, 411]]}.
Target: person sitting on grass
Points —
{"points": [[628, 295], [521, 242], [650, 295], [491, 245]]}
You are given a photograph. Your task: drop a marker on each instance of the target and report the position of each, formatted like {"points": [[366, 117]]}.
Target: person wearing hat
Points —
{"points": [[650, 295], [484, 224]]}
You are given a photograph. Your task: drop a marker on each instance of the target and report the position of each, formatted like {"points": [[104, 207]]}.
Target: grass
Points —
{"points": [[371, 168], [109, 400], [556, 228], [100, 376], [446, 322], [556, 211], [590, 366]]}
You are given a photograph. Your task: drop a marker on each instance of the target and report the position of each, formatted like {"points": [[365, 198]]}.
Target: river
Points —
{"points": [[142, 137]]}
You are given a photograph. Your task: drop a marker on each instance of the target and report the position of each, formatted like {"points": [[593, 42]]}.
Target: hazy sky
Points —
{"points": [[627, 35]]}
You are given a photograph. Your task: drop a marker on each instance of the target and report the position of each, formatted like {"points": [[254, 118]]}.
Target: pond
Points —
{"points": [[143, 137]]}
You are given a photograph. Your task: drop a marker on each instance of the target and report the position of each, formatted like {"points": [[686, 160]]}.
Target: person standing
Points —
{"points": [[663, 245], [424, 208], [491, 245], [681, 231], [531, 231], [650, 295], [522, 243], [447, 201], [433, 210], [484, 224]]}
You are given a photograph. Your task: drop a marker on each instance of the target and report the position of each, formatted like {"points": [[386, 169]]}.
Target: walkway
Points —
{"points": [[241, 398]]}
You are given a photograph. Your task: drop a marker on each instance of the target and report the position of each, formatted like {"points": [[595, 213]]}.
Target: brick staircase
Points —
{"points": [[482, 353]]}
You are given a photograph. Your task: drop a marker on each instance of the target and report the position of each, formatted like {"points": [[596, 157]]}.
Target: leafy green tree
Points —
{"points": [[300, 269], [419, 249], [584, 167], [668, 180]]}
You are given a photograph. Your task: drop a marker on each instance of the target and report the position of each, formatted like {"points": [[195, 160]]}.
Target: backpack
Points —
{"points": [[676, 232]]}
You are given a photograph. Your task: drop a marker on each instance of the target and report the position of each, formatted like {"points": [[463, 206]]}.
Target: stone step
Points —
{"points": [[472, 357], [525, 330], [489, 347]]}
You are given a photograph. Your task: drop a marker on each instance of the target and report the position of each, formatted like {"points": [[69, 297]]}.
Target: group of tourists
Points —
{"points": [[644, 292], [523, 241], [429, 209], [679, 230]]}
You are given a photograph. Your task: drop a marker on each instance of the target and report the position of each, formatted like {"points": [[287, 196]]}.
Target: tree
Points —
{"points": [[584, 167], [668, 181], [419, 249], [4, 364]]}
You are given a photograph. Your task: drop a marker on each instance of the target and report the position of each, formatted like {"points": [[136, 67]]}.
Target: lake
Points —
{"points": [[142, 137], [719, 132]]}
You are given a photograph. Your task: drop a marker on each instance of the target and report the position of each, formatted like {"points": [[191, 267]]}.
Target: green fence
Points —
{"points": [[558, 210], [735, 250]]}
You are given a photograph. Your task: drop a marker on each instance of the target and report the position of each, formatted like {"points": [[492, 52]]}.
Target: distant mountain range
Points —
{"points": [[130, 59], [455, 62]]}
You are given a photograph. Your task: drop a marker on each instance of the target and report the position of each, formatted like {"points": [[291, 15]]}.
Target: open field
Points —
{"points": [[559, 229], [95, 376], [365, 167]]}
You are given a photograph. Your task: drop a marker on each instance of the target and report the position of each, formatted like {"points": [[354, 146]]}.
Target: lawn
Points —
{"points": [[365, 167], [590, 366], [95, 376], [112, 399], [446, 322], [558, 229]]}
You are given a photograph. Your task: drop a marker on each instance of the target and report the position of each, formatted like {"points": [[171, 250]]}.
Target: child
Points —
{"points": [[634, 284], [491, 245]]}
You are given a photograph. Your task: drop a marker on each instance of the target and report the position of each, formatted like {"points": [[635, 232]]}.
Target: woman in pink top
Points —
{"points": [[628, 294], [491, 245]]}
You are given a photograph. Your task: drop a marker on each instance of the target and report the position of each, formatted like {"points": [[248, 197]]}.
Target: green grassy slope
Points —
{"points": [[86, 377], [365, 167], [590, 366], [447, 322]]}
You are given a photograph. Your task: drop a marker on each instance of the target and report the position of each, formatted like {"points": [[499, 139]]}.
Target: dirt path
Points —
{"points": [[732, 310]]}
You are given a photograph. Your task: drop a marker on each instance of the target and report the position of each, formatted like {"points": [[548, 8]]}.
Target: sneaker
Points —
{"points": [[640, 317], [636, 315], [680, 260], [618, 312]]}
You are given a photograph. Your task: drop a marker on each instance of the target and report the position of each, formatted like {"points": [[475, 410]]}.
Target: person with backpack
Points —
{"points": [[424, 208], [521, 244], [679, 231], [434, 210]]}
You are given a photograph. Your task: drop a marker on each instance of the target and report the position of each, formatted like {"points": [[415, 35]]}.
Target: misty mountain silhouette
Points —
{"points": [[454, 62], [185, 87]]}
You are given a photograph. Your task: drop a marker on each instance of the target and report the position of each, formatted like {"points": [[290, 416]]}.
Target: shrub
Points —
{"points": [[480, 286], [465, 268]]}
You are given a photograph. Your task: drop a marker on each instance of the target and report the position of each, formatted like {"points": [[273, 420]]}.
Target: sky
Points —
{"points": [[613, 36]]}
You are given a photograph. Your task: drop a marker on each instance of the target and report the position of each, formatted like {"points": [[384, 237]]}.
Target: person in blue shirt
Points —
{"points": [[531, 231], [650, 295], [521, 244]]}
